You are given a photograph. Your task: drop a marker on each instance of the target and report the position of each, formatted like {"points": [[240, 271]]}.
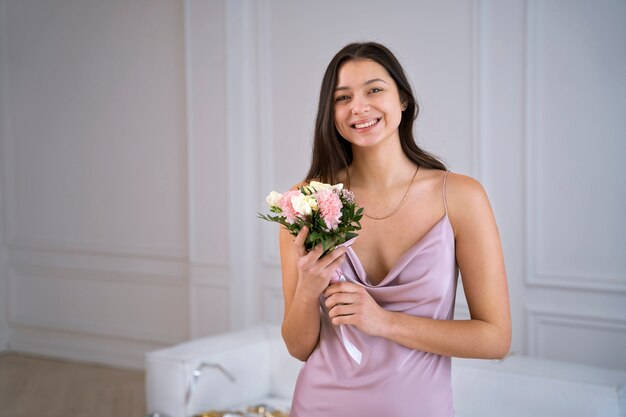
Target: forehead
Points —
{"points": [[357, 71]]}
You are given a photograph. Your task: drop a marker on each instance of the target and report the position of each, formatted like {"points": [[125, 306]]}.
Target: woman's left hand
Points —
{"points": [[349, 303]]}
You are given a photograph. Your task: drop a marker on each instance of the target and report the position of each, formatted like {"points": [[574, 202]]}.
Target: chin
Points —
{"points": [[366, 142]]}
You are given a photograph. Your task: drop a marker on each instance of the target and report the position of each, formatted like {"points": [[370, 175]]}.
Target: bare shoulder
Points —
{"points": [[467, 200], [301, 184], [463, 189]]}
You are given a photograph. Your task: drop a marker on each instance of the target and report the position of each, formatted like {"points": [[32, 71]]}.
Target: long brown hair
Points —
{"points": [[331, 152]]}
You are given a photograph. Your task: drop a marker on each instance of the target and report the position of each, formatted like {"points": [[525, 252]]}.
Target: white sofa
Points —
{"points": [[253, 367]]}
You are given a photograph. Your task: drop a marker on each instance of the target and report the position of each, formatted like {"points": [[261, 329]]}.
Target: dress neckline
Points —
{"points": [[355, 257]]}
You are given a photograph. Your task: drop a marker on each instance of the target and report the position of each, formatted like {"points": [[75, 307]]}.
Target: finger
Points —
{"points": [[345, 319], [341, 287], [341, 309], [339, 298], [315, 253], [334, 259], [300, 239]]}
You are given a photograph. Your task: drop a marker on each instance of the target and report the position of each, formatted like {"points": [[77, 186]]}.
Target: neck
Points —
{"points": [[380, 167]]}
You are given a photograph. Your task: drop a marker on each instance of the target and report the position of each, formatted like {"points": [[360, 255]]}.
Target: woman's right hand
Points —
{"points": [[305, 277], [315, 270]]}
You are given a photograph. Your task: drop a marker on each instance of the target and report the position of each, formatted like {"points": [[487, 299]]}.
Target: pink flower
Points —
{"points": [[285, 205], [330, 206], [347, 195]]}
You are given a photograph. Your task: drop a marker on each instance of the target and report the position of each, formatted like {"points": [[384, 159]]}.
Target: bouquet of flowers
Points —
{"points": [[329, 211]]}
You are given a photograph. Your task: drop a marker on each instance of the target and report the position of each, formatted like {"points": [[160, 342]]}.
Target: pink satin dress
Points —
{"points": [[352, 374]]}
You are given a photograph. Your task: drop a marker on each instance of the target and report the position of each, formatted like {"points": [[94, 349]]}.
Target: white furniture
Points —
{"points": [[253, 367]]}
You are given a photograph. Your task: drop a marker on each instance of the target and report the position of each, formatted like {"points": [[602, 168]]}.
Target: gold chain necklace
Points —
{"points": [[399, 205]]}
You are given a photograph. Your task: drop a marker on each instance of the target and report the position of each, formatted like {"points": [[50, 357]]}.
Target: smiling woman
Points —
{"points": [[421, 226], [367, 109]]}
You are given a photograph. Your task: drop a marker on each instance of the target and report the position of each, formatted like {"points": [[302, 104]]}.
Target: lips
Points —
{"points": [[365, 123]]}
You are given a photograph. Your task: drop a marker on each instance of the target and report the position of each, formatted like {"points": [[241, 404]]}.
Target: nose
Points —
{"points": [[360, 104]]}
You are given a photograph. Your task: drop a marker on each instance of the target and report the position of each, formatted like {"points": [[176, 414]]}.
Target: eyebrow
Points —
{"points": [[368, 82]]}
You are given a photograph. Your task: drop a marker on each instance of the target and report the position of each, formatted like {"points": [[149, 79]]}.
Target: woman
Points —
{"points": [[379, 342]]}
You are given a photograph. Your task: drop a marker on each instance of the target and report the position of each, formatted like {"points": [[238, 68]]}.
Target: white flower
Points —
{"points": [[320, 186], [304, 204], [273, 199], [312, 202]]}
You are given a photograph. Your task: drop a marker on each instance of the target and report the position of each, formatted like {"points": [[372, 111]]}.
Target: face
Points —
{"points": [[367, 103]]}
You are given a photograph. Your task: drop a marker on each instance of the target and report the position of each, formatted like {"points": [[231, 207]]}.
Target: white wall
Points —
{"points": [[94, 169], [139, 139], [4, 297], [4, 288], [575, 199]]}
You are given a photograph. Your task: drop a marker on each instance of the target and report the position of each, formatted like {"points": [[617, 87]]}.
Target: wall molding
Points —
{"points": [[16, 241], [13, 235], [93, 248], [535, 276], [100, 267], [599, 283], [201, 93], [270, 256], [209, 276], [243, 154], [92, 349], [82, 274], [94, 327], [537, 318]]}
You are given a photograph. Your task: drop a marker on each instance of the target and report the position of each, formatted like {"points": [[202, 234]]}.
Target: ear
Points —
{"points": [[404, 104]]}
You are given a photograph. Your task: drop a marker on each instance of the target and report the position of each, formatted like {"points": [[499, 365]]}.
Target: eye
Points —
{"points": [[376, 90], [341, 98]]}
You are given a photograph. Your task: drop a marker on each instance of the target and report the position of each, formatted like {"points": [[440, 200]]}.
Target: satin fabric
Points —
{"points": [[391, 380]]}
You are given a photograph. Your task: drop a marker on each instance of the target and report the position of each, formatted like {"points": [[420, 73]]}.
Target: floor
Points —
{"points": [[33, 386]]}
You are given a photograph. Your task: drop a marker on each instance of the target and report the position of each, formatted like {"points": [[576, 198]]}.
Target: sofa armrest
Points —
{"points": [[523, 386], [210, 373]]}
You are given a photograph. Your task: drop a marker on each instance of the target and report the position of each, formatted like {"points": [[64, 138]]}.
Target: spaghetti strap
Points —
{"points": [[445, 205]]}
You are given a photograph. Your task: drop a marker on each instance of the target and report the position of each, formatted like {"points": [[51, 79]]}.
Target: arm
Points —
{"points": [[305, 276], [479, 256]]}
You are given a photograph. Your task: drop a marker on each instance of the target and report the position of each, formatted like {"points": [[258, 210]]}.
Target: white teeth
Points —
{"points": [[366, 124]]}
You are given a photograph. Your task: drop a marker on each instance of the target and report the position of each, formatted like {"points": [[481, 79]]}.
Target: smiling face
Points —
{"points": [[367, 104]]}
